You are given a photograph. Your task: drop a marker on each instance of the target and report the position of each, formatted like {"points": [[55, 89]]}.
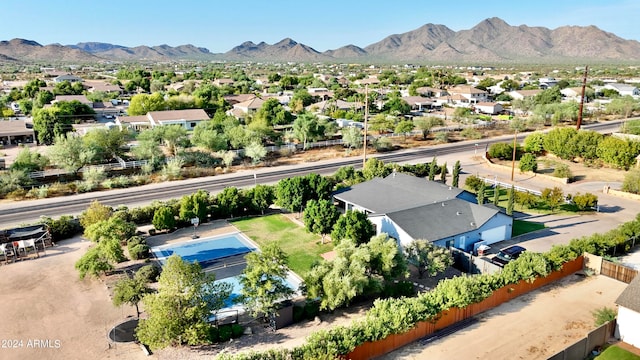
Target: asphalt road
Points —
{"points": [[12, 213]]}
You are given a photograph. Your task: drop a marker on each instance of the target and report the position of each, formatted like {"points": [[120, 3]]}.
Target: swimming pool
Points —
{"points": [[220, 250]]}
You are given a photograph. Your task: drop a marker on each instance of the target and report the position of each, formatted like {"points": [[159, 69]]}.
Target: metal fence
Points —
{"points": [[495, 182]]}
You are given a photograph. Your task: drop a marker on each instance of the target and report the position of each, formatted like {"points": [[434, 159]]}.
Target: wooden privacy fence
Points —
{"points": [[369, 350], [618, 271]]}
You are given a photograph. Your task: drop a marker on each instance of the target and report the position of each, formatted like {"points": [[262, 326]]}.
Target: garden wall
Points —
{"points": [[369, 350]]}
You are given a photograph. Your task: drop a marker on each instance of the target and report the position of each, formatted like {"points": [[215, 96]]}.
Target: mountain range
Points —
{"points": [[490, 41]]}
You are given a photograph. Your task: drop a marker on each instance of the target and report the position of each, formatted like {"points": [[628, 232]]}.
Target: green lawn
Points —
{"points": [[522, 227], [302, 248], [616, 353]]}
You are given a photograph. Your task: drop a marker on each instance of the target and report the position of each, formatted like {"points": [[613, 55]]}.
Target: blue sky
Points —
{"points": [[219, 25]]}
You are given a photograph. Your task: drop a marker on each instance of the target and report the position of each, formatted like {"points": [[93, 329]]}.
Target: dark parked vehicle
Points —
{"points": [[507, 254]]}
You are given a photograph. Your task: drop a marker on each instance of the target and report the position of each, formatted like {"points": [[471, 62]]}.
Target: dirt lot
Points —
{"points": [[534, 326]]}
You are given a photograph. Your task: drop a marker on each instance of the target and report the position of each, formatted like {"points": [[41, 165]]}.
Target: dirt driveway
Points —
{"points": [[533, 326]]}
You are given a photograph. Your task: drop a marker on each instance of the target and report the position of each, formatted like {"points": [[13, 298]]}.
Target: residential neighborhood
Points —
{"points": [[436, 194]]}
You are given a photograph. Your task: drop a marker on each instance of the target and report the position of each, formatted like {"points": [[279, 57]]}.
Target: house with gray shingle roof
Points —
{"points": [[628, 322], [409, 208]]}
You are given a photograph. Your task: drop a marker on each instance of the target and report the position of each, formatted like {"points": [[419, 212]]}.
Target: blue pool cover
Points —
{"points": [[209, 251]]}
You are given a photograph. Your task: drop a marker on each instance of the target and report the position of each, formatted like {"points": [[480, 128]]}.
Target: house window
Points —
{"points": [[193, 125], [449, 243]]}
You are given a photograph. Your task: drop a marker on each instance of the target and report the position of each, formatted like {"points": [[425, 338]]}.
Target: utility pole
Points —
{"points": [[584, 85], [513, 158], [366, 116]]}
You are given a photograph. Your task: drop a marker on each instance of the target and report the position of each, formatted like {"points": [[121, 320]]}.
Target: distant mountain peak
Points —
{"points": [[491, 40]]}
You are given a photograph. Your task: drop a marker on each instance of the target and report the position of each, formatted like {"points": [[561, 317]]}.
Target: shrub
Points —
{"points": [[382, 143], [471, 133], [64, 227], [236, 330], [534, 143], [528, 162], [164, 218], [224, 333], [526, 199], [473, 182], [584, 201], [138, 248], [603, 315], [562, 171], [311, 309], [502, 151], [148, 273], [632, 182]]}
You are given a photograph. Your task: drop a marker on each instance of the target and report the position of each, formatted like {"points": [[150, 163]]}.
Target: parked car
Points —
{"points": [[507, 254]]}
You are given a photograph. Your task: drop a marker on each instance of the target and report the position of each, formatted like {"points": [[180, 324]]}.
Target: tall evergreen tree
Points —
{"points": [[433, 169], [443, 173], [456, 173], [496, 195], [480, 195], [512, 195]]}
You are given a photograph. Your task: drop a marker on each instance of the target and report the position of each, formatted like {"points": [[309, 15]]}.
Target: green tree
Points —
{"points": [[130, 291], [382, 123], [273, 113], [94, 213], [618, 152], [93, 262], [624, 106], [433, 169], [354, 226], [556, 140], [292, 193], [106, 143], [386, 262], [481, 193], [262, 197], [510, 200], [443, 173], [29, 161], [228, 202], [456, 173], [141, 104], [194, 205], [49, 123], [305, 128], [552, 197], [113, 228], [496, 195], [549, 96], [209, 136], [338, 281], [319, 217], [69, 153], [255, 151], [528, 162], [428, 258], [425, 124], [164, 218], [173, 136], [404, 127], [396, 106], [179, 312], [534, 143], [264, 281], [352, 137], [375, 167]]}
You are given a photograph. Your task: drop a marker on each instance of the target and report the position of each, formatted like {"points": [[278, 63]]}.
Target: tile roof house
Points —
{"points": [[490, 108], [628, 322], [188, 119], [522, 94], [472, 94], [408, 208]]}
